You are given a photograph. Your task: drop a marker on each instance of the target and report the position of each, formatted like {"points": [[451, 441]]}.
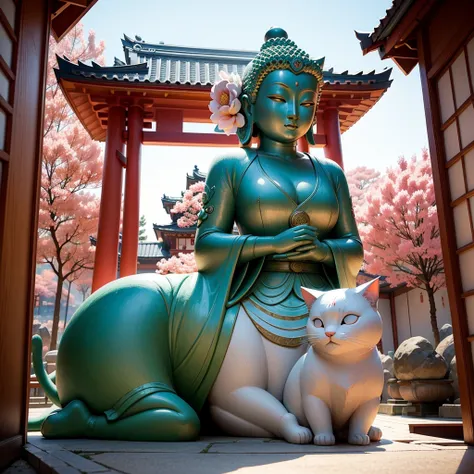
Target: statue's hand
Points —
{"points": [[317, 251], [290, 239]]}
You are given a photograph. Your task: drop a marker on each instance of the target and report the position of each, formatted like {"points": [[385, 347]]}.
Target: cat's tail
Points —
{"points": [[45, 380], [41, 375]]}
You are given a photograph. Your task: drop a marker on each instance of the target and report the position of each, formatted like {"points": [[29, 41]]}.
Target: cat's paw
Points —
{"points": [[375, 434], [292, 432], [359, 438], [324, 439]]}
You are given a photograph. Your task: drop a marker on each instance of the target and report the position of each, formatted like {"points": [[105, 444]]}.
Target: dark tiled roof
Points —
{"points": [[150, 250], [167, 64], [145, 249], [386, 24], [196, 177], [174, 228]]}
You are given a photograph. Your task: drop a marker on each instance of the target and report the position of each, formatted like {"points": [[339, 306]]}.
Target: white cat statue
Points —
{"points": [[335, 387]]}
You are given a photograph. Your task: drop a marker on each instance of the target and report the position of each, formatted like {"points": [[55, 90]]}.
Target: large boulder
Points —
{"points": [[446, 348], [445, 331], [416, 359]]}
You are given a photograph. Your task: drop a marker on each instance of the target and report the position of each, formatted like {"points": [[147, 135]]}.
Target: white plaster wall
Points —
{"points": [[403, 321], [413, 315], [387, 335]]}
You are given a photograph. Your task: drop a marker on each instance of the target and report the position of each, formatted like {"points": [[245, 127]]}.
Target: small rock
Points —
{"points": [[386, 377], [445, 331], [453, 375], [415, 359], [387, 363], [446, 348], [51, 356]]}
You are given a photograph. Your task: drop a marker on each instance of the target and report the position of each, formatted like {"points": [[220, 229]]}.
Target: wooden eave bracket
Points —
{"points": [[77, 3]]}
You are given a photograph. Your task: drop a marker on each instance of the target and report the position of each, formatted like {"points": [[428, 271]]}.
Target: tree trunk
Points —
{"points": [[67, 302], [57, 310], [433, 319]]}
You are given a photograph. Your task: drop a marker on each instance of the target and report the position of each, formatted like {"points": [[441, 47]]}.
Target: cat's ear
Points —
{"points": [[370, 291], [310, 296]]}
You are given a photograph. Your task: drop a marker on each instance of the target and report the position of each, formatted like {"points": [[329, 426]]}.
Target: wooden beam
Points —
{"points": [[188, 139], [6, 68], [78, 3], [8, 28], [448, 238], [4, 156], [201, 139], [122, 158]]}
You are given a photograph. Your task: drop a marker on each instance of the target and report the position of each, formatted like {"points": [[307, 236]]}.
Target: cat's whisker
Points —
{"points": [[355, 341]]}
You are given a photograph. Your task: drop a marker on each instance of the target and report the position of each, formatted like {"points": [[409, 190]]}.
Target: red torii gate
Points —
{"points": [[161, 87]]}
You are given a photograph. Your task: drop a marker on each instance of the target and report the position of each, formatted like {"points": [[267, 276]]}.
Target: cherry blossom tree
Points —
{"points": [[71, 168], [360, 180], [400, 230], [45, 286], [84, 284]]}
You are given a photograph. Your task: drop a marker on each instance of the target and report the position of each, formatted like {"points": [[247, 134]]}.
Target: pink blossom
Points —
{"points": [[225, 105], [71, 168], [399, 226], [183, 263], [190, 206]]}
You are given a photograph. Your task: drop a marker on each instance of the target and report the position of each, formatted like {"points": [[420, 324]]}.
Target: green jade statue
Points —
{"points": [[147, 356]]}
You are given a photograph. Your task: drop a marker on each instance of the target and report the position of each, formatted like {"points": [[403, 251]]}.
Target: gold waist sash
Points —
{"points": [[292, 267]]}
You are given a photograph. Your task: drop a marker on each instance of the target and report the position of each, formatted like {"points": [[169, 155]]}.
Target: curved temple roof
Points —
{"points": [[153, 66]]}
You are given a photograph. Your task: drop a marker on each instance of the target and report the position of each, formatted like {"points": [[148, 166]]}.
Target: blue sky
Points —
{"points": [[394, 127]]}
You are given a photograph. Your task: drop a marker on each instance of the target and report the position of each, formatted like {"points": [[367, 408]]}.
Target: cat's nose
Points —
{"points": [[330, 333]]}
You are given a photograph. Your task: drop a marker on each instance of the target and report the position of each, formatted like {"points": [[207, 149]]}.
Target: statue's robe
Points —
{"points": [[181, 345]]}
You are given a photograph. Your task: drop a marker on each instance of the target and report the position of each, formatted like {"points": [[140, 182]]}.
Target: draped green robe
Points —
{"points": [[150, 333]]}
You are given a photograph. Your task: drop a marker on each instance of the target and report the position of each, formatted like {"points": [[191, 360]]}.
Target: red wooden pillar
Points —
{"points": [[303, 145], [131, 210], [333, 148], [106, 256]]}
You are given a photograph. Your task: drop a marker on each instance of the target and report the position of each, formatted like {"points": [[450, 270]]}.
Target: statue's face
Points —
{"points": [[285, 105]]}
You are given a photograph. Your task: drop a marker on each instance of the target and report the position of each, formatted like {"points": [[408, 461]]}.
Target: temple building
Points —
{"points": [[174, 239], [439, 37], [154, 91], [147, 97]]}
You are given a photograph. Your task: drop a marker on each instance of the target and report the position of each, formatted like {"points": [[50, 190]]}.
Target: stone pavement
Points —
{"points": [[398, 452]]}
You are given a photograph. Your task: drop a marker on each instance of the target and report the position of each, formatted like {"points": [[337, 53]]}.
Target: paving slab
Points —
{"points": [[280, 447], [398, 452], [448, 462], [99, 446]]}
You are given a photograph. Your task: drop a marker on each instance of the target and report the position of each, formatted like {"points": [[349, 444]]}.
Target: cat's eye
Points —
{"points": [[350, 319], [318, 323], [276, 98]]}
